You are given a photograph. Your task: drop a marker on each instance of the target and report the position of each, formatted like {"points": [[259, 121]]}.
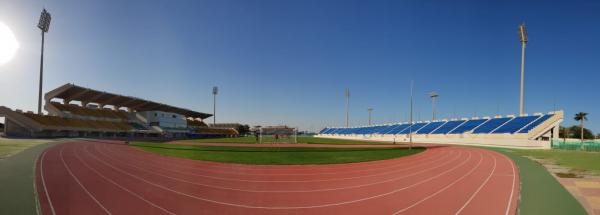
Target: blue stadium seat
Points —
{"points": [[468, 126], [413, 128], [444, 129], [397, 128], [430, 127], [515, 124], [490, 125], [377, 129], [323, 131], [536, 123]]}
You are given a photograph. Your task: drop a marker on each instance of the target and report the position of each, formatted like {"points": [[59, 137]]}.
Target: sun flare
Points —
{"points": [[8, 44]]}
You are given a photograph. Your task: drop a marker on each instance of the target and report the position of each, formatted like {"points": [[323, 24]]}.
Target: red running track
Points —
{"points": [[112, 178]]}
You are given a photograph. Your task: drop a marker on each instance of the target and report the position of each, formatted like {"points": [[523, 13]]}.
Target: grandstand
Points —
{"points": [[535, 131], [75, 111]]}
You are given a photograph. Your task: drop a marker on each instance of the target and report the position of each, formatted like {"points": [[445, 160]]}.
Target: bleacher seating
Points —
{"points": [[515, 124], [414, 128], [196, 123], [78, 123], [490, 125], [535, 123], [89, 112], [449, 126], [468, 126], [503, 125], [217, 131], [430, 127]]}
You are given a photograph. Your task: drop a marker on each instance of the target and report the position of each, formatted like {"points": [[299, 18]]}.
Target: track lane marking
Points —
{"points": [[292, 191], [118, 185], [512, 190], [79, 182], [479, 188], [444, 188], [290, 207], [44, 183], [273, 181]]}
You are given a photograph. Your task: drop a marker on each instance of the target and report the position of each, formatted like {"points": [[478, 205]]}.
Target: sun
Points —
{"points": [[8, 44]]}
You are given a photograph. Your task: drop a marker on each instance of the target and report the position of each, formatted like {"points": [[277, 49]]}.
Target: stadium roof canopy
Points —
{"points": [[72, 92]]}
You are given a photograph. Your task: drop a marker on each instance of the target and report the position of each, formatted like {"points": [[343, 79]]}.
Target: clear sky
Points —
{"points": [[288, 62]]}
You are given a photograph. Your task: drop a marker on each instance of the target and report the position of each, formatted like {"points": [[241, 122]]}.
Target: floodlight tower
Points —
{"points": [[215, 91], [347, 106], [44, 25], [370, 109], [433, 95], [523, 39], [412, 83]]}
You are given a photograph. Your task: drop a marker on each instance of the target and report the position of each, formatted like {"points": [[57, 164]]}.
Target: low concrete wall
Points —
{"points": [[479, 140]]}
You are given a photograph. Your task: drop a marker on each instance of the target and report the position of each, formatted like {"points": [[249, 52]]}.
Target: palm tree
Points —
{"points": [[581, 116]]}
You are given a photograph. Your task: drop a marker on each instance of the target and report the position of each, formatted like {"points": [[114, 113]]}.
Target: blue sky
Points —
{"points": [[288, 62]]}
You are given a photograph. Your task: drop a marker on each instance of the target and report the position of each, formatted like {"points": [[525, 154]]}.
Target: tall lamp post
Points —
{"points": [[347, 94], [370, 109], [44, 25], [433, 95], [215, 91], [523, 39], [412, 83]]}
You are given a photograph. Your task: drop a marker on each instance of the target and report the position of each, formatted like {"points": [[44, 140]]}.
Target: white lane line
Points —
{"points": [[79, 182], [272, 181], [287, 191], [286, 207], [118, 185], [444, 188], [237, 172], [479, 188], [512, 189], [44, 183]]}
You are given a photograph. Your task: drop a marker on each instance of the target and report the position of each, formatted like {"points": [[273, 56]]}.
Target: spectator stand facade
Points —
{"points": [[75, 111], [526, 131]]}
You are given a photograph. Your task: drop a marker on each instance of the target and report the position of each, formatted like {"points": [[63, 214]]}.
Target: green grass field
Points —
{"points": [[271, 155], [588, 162], [9, 147], [301, 139]]}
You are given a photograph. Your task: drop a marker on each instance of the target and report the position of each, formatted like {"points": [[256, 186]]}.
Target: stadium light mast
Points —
{"points": [[44, 25], [215, 91], [412, 83], [370, 109], [433, 95], [347, 107], [523, 39]]}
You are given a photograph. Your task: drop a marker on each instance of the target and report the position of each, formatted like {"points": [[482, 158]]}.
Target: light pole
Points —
{"points": [[523, 39], [347, 106], [44, 25], [411, 115], [370, 110], [433, 95], [215, 91]]}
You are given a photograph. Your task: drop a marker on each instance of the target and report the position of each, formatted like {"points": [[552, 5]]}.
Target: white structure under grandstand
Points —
{"points": [[527, 131], [75, 111]]}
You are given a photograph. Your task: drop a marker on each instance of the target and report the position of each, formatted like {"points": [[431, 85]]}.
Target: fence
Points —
{"points": [[587, 145]]}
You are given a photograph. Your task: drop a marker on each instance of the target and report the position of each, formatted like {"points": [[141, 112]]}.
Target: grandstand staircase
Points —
{"points": [[20, 119], [543, 128]]}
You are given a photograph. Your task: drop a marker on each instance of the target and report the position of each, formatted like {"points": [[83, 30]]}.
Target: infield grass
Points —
{"points": [[272, 155], [580, 161], [9, 147]]}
